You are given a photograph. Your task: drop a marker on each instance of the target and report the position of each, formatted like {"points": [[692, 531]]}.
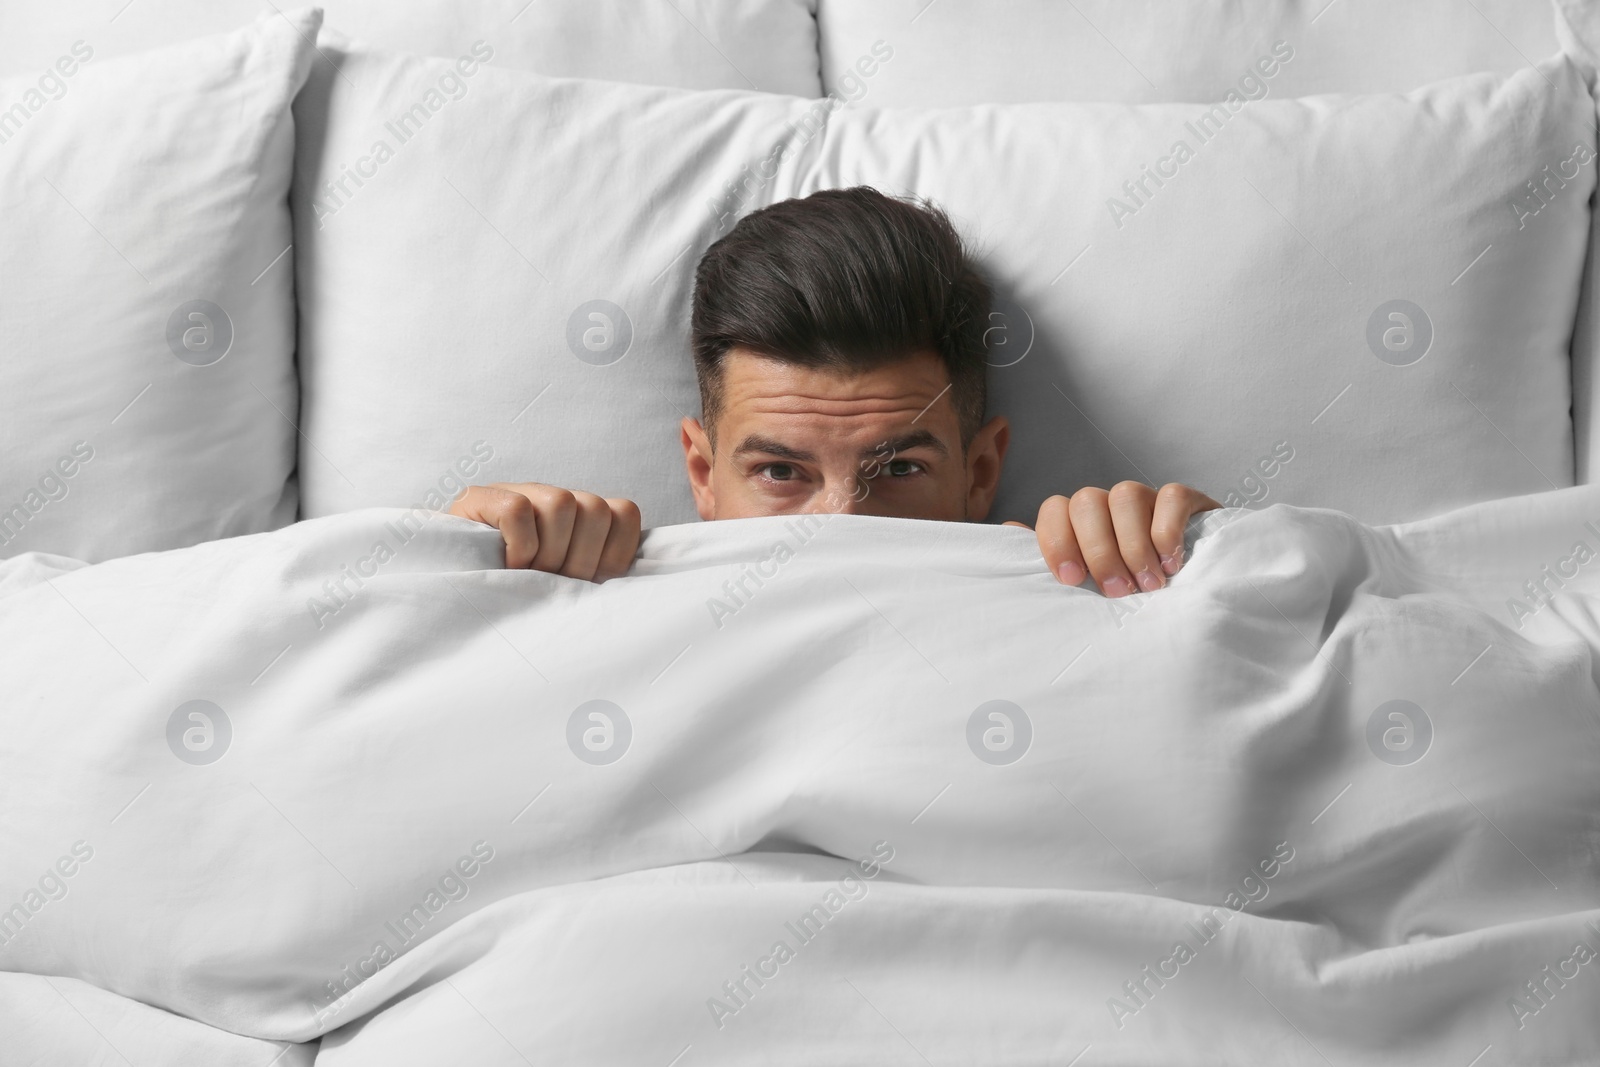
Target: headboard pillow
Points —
{"points": [[1579, 30], [956, 52], [770, 45], [1360, 302], [147, 391]]}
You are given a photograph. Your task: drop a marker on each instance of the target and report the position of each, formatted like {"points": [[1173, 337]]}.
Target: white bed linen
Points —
{"points": [[1210, 740], [56, 1022]]}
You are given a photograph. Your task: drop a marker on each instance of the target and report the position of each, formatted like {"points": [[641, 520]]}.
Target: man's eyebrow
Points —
{"points": [[767, 446], [918, 438], [909, 440]]}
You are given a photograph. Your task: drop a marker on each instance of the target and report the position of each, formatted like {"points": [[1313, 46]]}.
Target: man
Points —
{"points": [[839, 343]]}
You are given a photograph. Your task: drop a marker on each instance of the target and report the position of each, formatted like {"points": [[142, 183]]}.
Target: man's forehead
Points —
{"points": [[755, 383]]}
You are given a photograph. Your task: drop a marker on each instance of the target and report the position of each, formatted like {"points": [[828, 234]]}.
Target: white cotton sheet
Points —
{"points": [[46, 1022], [1216, 763]]}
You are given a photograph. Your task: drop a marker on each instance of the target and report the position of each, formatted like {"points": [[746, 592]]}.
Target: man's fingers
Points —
{"points": [[546, 528], [622, 540], [1174, 505], [556, 510], [1132, 507], [591, 523], [1090, 514], [1057, 542], [508, 511]]}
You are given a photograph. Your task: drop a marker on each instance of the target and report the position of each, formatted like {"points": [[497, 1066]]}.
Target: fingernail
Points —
{"points": [[1150, 581], [1071, 573], [1118, 586], [1171, 563]]}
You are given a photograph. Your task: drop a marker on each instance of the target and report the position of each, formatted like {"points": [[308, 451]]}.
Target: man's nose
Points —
{"points": [[844, 497]]}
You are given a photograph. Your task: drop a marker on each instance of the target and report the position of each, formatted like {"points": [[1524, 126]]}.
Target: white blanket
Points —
{"points": [[859, 791]]}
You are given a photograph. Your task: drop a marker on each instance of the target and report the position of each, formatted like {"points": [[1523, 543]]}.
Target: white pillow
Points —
{"points": [[951, 52], [769, 45], [1218, 334], [447, 301], [1579, 29], [1234, 330], [148, 392]]}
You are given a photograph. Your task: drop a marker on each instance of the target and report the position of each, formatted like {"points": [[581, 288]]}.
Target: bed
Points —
{"points": [[293, 771]]}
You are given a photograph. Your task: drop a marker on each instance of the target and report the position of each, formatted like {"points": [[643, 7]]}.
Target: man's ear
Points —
{"points": [[986, 455], [697, 458]]}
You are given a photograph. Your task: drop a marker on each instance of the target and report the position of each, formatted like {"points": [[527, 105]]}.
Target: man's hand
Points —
{"points": [[550, 529], [1129, 539]]}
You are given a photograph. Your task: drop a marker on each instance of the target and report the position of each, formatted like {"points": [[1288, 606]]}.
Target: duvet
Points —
{"points": [[822, 790]]}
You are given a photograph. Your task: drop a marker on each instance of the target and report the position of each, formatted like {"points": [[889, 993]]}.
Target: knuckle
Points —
{"points": [[1136, 554], [625, 515], [1058, 548], [1165, 534], [1128, 490], [1175, 497], [512, 488], [1088, 497], [559, 502], [1055, 513], [514, 505], [1102, 557]]}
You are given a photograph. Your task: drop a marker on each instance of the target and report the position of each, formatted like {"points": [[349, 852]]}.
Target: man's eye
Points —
{"points": [[901, 468], [778, 472]]}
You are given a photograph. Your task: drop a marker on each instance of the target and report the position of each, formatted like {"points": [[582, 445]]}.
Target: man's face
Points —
{"points": [[792, 440]]}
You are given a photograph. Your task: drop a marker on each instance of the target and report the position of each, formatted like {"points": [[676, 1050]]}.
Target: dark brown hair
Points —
{"points": [[845, 279]]}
